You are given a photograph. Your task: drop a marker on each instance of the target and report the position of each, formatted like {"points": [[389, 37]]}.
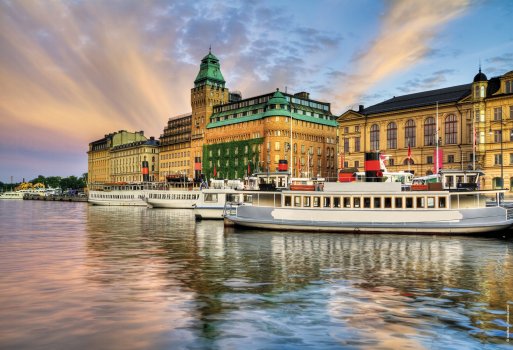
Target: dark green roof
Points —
{"points": [[276, 112], [210, 72]]}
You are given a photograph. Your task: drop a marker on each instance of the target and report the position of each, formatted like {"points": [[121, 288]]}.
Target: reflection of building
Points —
{"points": [[410, 121], [232, 135], [119, 156]]}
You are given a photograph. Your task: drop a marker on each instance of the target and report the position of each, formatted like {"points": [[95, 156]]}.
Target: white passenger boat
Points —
{"points": [[120, 193], [377, 207], [12, 195], [172, 199]]}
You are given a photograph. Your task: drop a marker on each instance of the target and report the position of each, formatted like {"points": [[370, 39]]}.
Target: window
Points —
{"points": [[374, 137], [277, 146], [509, 86], [451, 130], [497, 136], [357, 144], [450, 158], [498, 159], [429, 131], [357, 128], [409, 133], [356, 163], [346, 145], [497, 113], [392, 135], [398, 202]]}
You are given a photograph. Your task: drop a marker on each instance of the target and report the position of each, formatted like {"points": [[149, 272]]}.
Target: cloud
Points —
{"points": [[404, 38], [435, 80]]}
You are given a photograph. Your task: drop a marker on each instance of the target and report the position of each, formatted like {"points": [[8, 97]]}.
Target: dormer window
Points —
{"points": [[509, 86]]}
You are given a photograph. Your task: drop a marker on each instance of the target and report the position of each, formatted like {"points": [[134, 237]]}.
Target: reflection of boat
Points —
{"points": [[377, 207]]}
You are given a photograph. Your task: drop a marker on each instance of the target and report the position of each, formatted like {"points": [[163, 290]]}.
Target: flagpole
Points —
{"points": [[290, 146], [474, 140], [436, 151]]}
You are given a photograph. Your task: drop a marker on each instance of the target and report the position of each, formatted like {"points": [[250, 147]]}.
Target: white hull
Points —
{"points": [[209, 213], [171, 204], [462, 221]]}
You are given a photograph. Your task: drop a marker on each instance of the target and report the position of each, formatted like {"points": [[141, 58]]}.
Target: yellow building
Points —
{"points": [[230, 136], [472, 123], [121, 157], [175, 148]]}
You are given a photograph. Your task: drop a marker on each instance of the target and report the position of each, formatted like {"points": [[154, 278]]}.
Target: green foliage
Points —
{"points": [[231, 158], [71, 182]]}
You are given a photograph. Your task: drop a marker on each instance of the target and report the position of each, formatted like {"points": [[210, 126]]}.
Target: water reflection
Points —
{"points": [[137, 278]]}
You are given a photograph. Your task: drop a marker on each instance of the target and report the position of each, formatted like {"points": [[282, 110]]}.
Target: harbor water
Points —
{"points": [[76, 276]]}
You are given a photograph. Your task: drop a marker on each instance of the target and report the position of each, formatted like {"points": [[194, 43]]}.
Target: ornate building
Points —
{"points": [[230, 136], [471, 125], [121, 157]]}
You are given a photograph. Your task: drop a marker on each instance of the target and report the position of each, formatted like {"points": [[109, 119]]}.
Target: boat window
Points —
{"points": [[336, 202], [408, 202], [316, 202], [356, 202], [248, 198], [441, 202], [421, 202], [430, 202], [449, 181], [210, 197], [388, 202], [306, 201], [347, 202], [459, 179], [288, 201], [377, 202], [366, 202], [297, 201], [327, 202]]}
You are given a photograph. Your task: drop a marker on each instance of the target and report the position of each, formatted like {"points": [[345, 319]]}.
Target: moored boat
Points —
{"points": [[378, 207], [12, 195]]}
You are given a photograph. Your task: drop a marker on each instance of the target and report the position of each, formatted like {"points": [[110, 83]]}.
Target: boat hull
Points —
{"points": [[463, 221]]}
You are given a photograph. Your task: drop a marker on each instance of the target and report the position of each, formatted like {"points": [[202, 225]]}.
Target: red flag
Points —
{"points": [[409, 151], [215, 171]]}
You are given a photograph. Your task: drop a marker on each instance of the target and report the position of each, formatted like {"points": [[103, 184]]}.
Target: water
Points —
{"points": [[74, 276]]}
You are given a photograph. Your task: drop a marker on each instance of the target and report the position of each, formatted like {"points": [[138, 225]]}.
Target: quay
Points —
{"points": [[55, 198]]}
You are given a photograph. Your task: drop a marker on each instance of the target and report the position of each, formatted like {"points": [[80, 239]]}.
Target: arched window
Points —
{"points": [[408, 160], [429, 131], [392, 135], [409, 133], [374, 137], [451, 130]]}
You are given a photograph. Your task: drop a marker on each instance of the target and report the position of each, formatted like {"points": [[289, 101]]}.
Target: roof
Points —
{"points": [[420, 99], [210, 71]]}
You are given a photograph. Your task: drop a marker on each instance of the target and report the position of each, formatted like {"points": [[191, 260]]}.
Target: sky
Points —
{"points": [[74, 71]]}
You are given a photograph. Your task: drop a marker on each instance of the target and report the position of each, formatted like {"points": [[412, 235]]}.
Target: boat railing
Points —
{"points": [[230, 208]]}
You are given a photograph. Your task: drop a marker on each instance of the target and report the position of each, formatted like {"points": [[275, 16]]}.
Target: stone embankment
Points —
{"points": [[55, 198]]}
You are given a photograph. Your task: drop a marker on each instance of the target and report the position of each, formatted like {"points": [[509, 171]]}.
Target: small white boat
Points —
{"points": [[378, 207], [12, 195]]}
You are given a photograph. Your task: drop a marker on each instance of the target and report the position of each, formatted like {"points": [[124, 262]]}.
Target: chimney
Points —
{"points": [[360, 108]]}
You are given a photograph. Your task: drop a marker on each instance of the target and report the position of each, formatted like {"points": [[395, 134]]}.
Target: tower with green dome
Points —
{"points": [[209, 90]]}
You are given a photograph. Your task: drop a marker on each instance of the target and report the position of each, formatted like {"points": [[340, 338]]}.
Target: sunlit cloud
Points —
{"points": [[406, 31]]}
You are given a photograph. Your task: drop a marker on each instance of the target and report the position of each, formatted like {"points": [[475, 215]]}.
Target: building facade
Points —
{"points": [[255, 134], [228, 136], [175, 148], [123, 157], [468, 126]]}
